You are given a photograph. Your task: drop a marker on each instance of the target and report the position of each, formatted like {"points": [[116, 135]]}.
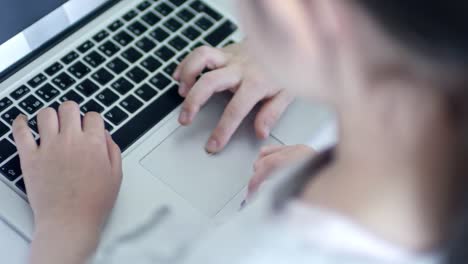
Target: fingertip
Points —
{"points": [[212, 146]]}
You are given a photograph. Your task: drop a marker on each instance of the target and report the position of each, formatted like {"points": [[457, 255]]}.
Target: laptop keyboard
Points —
{"points": [[123, 72]]}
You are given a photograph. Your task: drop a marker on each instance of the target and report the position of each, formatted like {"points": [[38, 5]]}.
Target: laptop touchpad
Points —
{"points": [[208, 182]]}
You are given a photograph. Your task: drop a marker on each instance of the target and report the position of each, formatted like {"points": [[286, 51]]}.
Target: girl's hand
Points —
{"points": [[272, 158], [72, 180], [231, 70]]}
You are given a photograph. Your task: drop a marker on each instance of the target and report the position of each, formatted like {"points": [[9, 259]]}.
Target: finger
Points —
{"points": [[195, 63], [115, 156], [270, 113], [93, 123], [268, 150], [69, 117], [47, 123], [263, 169], [207, 85], [238, 108], [24, 139]]}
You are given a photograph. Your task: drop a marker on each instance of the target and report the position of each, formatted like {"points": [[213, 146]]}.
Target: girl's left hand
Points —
{"points": [[272, 158]]}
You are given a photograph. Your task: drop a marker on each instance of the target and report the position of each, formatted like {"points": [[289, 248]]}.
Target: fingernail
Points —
{"points": [[184, 117], [21, 116], [212, 146], [182, 89]]}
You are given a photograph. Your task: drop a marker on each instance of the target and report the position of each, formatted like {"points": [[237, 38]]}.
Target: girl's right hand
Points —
{"points": [[231, 70]]}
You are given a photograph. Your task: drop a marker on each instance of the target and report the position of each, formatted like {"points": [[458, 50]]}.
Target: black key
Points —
{"points": [[151, 64], [72, 96], [130, 15], [143, 5], [85, 47], [170, 69], [164, 9], [200, 7], [108, 126], [137, 75], [178, 43], [38, 80], [182, 56], [230, 42], [79, 70], [6, 150], [47, 92], [117, 66], [137, 28], [20, 92], [178, 2], [100, 36], [132, 55], [123, 38], [160, 81], [53, 69], [63, 81], [221, 33], [191, 33], [31, 104], [197, 45], [186, 15], [165, 53], [103, 76], [172, 24], [116, 116], [10, 115], [147, 118], [122, 86], [131, 104], [70, 57], [33, 124], [87, 87], [20, 185], [5, 103], [115, 25], [55, 106], [150, 18], [204, 23], [109, 48], [146, 93], [3, 129], [159, 34], [146, 44], [94, 59], [107, 97], [12, 169], [92, 106]]}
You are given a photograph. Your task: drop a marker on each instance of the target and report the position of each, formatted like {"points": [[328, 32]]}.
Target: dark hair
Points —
{"points": [[437, 30]]}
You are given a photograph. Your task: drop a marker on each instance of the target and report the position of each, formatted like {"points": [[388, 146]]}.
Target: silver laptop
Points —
{"points": [[116, 57]]}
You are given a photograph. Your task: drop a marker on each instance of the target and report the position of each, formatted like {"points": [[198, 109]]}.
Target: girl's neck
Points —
{"points": [[392, 172]]}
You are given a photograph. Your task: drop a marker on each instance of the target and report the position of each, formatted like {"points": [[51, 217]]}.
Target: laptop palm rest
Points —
{"points": [[207, 182]]}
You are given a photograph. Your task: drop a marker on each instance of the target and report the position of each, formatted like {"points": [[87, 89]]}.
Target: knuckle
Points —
{"points": [[204, 51], [234, 111], [208, 79]]}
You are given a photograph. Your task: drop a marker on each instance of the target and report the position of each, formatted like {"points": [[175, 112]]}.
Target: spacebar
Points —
{"points": [[147, 119]]}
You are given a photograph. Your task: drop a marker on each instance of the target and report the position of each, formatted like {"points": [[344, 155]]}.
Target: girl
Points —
{"points": [[392, 191]]}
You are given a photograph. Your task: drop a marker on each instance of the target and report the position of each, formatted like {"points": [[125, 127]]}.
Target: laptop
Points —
{"points": [[116, 57]]}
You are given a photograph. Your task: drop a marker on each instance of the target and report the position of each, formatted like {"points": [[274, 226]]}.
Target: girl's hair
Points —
{"points": [[438, 31]]}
